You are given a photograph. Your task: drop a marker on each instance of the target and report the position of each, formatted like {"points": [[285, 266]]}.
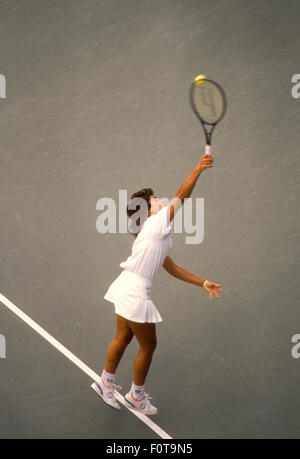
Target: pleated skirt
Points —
{"points": [[131, 295]]}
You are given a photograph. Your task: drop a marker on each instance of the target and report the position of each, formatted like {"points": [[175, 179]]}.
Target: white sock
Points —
{"points": [[137, 391], [108, 378]]}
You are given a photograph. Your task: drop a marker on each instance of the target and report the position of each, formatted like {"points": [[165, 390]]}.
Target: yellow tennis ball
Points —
{"points": [[199, 79]]}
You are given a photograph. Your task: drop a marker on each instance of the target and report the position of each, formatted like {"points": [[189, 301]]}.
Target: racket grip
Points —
{"points": [[208, 149]]}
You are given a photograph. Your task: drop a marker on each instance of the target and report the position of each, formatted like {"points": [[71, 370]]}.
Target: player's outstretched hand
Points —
{"points": [[212, 289], [206, 161]]}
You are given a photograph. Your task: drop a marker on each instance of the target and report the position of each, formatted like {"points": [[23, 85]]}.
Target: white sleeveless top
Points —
{"points": [[151, 246]]}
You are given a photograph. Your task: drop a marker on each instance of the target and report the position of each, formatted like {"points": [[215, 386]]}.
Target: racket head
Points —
{"points": [[208, 101]]}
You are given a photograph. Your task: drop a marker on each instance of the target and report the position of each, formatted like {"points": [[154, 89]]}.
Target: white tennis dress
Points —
{"points": [[131, 290]]}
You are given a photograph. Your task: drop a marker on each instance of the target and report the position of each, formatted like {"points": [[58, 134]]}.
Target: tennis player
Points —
{"points": [[136, 315]]}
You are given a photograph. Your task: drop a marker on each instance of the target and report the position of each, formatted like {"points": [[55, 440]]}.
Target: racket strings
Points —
{"points": [[209, 102]]}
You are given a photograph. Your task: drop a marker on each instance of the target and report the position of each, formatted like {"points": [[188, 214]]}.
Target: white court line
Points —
{"points": [[160, 432]]}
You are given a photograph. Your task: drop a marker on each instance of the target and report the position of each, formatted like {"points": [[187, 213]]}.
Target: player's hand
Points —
{"points": [[212, 289], [206, 161]]}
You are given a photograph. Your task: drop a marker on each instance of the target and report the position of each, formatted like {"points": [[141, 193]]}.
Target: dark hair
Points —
{"points": [[145, 193]]}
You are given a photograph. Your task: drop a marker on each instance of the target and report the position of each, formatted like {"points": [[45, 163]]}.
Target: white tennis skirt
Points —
{"points": [[131, 295]]}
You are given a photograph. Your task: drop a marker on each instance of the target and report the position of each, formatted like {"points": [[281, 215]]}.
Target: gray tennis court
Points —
{"points": [[94, 100]]}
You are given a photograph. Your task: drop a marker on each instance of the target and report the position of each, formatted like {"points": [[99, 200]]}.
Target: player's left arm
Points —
{"points": [[186, 276]]}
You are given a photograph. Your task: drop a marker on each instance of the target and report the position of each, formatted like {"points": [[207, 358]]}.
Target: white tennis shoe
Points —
{"points": [[142, 404], [106, 392]]}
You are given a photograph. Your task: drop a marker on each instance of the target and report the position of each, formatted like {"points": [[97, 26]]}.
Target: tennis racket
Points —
{"points": [[209, 104]]}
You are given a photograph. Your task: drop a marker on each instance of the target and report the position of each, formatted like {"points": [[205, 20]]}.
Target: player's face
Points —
{"points": [[156, 204]]}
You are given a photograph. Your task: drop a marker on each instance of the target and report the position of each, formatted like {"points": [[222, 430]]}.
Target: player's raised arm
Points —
{"points": [[187, 186]]}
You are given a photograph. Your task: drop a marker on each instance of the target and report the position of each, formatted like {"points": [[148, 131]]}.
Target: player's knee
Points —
{"points": [[124, 339], [149, 348]]}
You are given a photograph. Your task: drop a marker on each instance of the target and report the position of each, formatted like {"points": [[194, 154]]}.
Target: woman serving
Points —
{"points": [[136, 314]]}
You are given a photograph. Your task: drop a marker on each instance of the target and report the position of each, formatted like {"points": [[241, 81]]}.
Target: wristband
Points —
{"points": [[204, 282]]}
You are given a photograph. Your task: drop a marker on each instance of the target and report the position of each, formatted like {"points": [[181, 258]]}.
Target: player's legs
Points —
{"points": [[146, 336], [104, 386], [116, 349], [137, 398]]}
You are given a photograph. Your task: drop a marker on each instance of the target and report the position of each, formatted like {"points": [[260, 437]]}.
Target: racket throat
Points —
{"points": [[208, 137]]}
